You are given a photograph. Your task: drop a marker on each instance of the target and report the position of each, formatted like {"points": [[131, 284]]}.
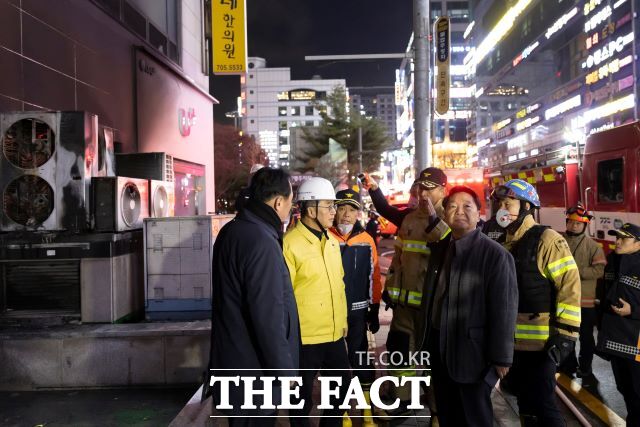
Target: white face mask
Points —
{"points": [[503, 218], [345, 228]]}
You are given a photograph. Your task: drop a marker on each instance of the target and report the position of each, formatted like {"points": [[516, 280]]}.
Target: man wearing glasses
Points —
{"points": [[315, 264]]}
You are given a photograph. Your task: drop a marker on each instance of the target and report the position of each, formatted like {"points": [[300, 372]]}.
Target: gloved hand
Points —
{"points": [[387, 300], [372, 318], [559, 347]]}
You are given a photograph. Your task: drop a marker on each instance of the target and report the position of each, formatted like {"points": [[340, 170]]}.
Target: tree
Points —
{"points": [[342, 126], [234, 156]]}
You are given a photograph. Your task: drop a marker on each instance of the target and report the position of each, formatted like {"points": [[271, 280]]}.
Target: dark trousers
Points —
{"points": [[324, 357], [627, 375], [533, 379], [587, 343], [458, 404], [357, 345]]}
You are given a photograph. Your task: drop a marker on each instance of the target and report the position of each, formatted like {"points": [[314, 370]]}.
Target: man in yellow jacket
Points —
{"points": [[315, 264], [548, 303]]}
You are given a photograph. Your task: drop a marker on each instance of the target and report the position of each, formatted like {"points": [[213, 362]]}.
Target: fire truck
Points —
{"points": [[605, 179]]}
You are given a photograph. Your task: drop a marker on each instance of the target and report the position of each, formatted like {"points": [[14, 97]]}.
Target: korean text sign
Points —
{"points": [[228, 34]]}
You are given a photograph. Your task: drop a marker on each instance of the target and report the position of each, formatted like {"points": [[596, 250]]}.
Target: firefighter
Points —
{"points": [[548, 304], [406, 277], [362, 284], [591, 261], [619, 331], [315, 265]]}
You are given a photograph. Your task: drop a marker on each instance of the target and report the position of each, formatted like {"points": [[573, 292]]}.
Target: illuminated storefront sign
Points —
{"points": [[499, 31], [525, 53], [590, 6], [597, 19], [609, 125], [610, 68], [557, 26], [596, 37], [501, 124], [563, 107], [619, 3], [454, 114], [608, 109], [526, 111], [527, 123], [607, 51], [483, 142], [518, 141]]}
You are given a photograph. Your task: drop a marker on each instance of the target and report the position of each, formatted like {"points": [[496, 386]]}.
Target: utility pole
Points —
{"points": [[360, 149], [421, 89]]}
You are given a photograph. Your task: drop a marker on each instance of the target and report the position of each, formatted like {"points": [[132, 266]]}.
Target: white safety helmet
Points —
{"points": [[255, 168], [316, 189]]}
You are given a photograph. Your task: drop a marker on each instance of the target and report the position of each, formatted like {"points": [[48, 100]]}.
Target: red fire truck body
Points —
{"points": [[606, 181]]}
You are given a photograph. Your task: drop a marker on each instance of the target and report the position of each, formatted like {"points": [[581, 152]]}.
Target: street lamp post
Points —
{"points": [[235, 115], [421, 91]]}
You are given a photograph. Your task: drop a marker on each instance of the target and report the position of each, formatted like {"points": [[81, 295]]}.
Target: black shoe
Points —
{"points": [[583, 373]]}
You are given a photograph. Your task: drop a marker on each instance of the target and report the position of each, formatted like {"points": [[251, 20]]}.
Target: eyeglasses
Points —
{"points": [[330, 207]]}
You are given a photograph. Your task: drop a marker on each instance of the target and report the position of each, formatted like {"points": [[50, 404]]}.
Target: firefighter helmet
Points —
{"points": [[518, 189]]}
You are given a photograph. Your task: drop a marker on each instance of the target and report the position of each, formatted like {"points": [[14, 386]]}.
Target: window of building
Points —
{"points": [[155, 21], [283, 140], [458, 11], [282, 125], [458, 130], [250, 76], [436, 9], [308, 123], [252, 121], [295, 111], [282, 111], [251, 106], [308, 111], [250, 92], [610, 180], [439, 131]]}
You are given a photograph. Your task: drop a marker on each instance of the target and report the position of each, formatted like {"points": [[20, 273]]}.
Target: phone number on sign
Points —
{"points": [[231, 67]]}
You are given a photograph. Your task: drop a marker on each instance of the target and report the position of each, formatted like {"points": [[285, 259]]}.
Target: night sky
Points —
{"points": [[284, 31]]}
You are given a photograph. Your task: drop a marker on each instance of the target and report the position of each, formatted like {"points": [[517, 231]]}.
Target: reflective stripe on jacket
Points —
{"points": [[317, 277], [411, 258], [357, 246], [555, 262]]}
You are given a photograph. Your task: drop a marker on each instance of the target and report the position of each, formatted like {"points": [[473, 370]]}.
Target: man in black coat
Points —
{"points": [[255, 326], [473, 296]]}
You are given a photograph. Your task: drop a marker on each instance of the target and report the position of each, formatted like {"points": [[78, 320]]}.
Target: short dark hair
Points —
{"points": [[268, 183], [462, 189]]}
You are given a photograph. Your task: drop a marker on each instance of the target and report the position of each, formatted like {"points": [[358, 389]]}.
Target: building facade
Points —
{"points": [[377, 102], [140, 66], [273, 104], [547, 76], [448, 137]]}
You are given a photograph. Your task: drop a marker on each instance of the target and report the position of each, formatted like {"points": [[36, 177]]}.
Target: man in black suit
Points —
{"points": [[255, 327], [473, 295]]}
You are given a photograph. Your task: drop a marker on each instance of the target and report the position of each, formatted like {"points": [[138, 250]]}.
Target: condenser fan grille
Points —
{"points": [[160, 203], [28, 200], [130, 204], [28, 143]]}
